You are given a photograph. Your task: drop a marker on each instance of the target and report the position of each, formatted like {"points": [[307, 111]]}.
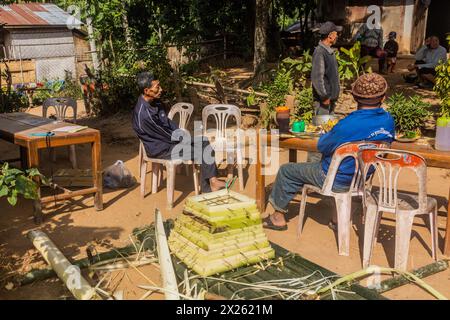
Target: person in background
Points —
{"points": [[369, 123], [372, 44], [324, 73], [155, 130], [427, 59], [391, 49]]}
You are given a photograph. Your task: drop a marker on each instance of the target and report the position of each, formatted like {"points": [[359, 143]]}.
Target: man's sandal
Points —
{"points": [[268, 224]]}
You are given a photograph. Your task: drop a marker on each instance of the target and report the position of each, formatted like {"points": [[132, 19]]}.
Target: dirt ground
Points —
{"points": [[74, 225]]}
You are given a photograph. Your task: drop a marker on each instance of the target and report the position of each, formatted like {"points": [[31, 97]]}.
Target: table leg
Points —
{"points": [[447, 232], [23, 158], [292, 155], [260, 178], [97, 173], [33, 162]]}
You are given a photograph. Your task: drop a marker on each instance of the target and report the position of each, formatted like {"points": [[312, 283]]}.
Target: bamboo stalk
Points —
{"points": [[45, 273], [422, 272], [69, 274], [165, 261], [372, 270]]}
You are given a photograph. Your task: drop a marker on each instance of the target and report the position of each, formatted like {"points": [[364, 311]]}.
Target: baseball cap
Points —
{"points": [[328, 27]]}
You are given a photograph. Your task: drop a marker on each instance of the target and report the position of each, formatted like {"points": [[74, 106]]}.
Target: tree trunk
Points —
{"points": [[260, 54], [126, 26]]}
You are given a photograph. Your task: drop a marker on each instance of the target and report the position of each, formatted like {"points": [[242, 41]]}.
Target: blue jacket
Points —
{"points": [[368, 124], [153, 128]]}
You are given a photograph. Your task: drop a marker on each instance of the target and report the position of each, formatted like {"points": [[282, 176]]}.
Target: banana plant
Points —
{"points": [[350, 63]]}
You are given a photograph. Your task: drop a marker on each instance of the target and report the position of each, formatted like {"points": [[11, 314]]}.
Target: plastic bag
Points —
{"points": [[118, 176]]}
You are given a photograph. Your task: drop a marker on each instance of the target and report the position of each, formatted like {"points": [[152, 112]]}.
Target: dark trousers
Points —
{"points": [[196, 151], [321, 109]]}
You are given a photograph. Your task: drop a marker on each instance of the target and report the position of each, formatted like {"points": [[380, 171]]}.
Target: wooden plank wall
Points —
{"points": [[28, 68]]}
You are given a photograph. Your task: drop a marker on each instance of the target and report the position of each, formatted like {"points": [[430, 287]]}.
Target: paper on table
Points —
{"points": [[70, 129]]}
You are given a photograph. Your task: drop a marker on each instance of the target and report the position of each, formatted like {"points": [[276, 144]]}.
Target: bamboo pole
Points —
{"points": [[45, 273], [422, 272], [208, 85], [165, 261], [69, 274]]}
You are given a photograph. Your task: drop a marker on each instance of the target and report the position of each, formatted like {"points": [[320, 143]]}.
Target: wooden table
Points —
{"points": [[18, 127], [434, 158]]}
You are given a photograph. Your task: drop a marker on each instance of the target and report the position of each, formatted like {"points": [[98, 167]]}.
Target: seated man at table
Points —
{"points": [[158, 134], [427, 59], [369, 123]]}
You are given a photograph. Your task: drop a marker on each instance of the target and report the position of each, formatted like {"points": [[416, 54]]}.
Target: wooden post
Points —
{"points": [[260, 178], [97, 172], [447, 235]]}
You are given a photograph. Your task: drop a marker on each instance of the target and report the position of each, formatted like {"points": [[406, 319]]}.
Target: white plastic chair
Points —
{"points": [[61, 105], [388, 164], [221, 142], [343, 199], [185, 110]]}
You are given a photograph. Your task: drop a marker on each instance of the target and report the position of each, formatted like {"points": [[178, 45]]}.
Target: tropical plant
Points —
{"points": [[276, 91], [15, 182], [442, 86], [408, 113], [252, 99], [303, 109], [300, 69], [351, 64]]}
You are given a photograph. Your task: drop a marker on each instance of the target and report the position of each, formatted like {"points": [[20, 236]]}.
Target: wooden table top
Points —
{"points": [[433, 157], [17, 128]]}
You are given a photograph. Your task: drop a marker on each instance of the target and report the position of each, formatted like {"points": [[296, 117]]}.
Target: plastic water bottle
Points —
{"points": [[443, 134]]}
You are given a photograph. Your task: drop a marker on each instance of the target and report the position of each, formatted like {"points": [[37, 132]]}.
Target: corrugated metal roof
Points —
{"points": [[34, 14]]}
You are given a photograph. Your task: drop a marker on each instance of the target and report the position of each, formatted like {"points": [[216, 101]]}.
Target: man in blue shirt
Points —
{"points": [[157, 133], [370, 123]]}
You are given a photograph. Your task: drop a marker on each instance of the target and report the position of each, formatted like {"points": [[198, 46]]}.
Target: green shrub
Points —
{"points": [[408, 113], [276, 91], [303, 109], [15, 182], [12, 101], [442, 86]]}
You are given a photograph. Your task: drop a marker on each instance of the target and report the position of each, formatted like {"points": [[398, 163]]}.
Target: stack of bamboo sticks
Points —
{"points": [[218, 232]]}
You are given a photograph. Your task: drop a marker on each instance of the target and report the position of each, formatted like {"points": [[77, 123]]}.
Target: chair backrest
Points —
{"points": [[61, 105], [346, 150], [388, 164], [185, 110], [221, 113]]}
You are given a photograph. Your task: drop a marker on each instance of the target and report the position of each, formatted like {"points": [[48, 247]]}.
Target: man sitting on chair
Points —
{"points": [[156, 131], [369, 123]]}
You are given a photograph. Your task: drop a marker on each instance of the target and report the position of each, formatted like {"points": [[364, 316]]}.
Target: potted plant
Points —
{"points": [[408, 114], [442, 89]]}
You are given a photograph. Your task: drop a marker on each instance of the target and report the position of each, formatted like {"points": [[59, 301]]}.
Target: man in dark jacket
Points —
{"points": [[324, 73], [158, 133], [369, 123]]}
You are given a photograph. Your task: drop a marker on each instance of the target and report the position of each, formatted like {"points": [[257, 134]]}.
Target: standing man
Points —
{"points": [[325, 74]]}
